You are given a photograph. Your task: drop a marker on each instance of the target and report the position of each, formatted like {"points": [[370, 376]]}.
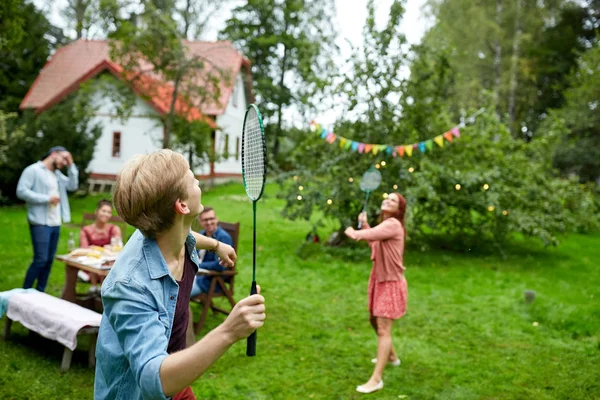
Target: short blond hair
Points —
{"points": [[148, 187]]}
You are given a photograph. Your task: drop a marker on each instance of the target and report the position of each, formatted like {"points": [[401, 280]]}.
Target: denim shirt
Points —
{"points": [[33, 188], [139, 297]]}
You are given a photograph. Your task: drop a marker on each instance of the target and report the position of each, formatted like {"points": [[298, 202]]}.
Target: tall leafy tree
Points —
{"points": [[149, 43], [290, 44], [519, 51], [21, 60], [578, 151], [472, 193]]}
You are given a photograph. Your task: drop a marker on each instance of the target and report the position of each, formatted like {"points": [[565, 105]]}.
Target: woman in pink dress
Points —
{"points": [[100, 234], [388, 292]]}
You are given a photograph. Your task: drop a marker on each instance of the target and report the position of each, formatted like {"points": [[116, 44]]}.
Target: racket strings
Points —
{"points": [[254, 156], [370, 181]]}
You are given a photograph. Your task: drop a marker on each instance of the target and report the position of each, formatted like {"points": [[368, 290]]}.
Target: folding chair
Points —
{"points": [[221, 280]]}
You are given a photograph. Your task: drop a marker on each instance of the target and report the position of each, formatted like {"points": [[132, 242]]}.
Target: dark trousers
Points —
{"points": [[45, 240]]}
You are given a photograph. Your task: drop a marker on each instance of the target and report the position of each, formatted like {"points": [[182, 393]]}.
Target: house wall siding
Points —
{"points": [[142, 133]]}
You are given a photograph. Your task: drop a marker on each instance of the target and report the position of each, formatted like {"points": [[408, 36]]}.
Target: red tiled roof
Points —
{"points": [[83, 59]]}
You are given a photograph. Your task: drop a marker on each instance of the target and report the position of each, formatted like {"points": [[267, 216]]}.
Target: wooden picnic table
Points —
{"points": [[72, 266]]}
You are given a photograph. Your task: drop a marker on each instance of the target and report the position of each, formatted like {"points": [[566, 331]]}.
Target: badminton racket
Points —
{"points": [[369, 182], [254, 171]]}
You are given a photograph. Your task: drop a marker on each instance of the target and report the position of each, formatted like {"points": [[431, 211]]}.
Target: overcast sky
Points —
{"points": [[351, 16]]}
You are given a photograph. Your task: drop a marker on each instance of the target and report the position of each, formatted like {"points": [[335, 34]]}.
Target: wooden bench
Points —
{"points": [[55, 319]]}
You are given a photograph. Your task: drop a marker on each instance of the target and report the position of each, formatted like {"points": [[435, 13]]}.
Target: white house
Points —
{"points": [[83, 60]]}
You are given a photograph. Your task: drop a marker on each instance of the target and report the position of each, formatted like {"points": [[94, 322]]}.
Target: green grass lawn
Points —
{"points": [[468, 333]]}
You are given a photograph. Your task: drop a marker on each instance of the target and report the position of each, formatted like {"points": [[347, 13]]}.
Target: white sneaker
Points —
{"points": [[83, 276], [362, 389], [393, 363]]}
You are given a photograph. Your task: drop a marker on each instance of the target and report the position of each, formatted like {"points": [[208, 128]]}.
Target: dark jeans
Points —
{"points": [[45, 241]]}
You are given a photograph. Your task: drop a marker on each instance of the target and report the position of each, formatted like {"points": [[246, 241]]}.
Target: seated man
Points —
{"points": [[209, 260]]}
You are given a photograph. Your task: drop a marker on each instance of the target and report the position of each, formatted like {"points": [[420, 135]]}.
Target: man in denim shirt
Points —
{"points": [[208, 259], [44, 188], [141, 351]]}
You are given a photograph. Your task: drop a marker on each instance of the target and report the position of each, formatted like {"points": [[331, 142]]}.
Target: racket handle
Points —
{"points": [[251, 342], [359, 224]]}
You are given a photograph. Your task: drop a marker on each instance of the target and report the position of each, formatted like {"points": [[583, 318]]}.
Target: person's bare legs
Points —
{"points": [[384, 349], [393, 356]]}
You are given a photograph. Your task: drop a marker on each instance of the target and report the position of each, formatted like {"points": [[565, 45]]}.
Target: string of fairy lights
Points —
{"points": [[485, 187]]}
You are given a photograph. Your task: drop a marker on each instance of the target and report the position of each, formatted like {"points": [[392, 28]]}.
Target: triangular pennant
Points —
{"points": [[375, 149], [429, 144], [361, 148], [448, 136], [400, 150], [354, 146], [394, 153], [455, 131], [342, 142], [408, 149], [388, 150], [422, 147], [439, 140], [348, 144], [368, 148], [331, 138], [324, 133]]}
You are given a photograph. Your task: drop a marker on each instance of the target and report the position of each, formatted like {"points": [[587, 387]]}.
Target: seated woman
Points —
{"points": [[100, 233]]}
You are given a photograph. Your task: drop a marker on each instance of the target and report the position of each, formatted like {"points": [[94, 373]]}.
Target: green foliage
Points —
{"points": [[22, 59], [26, 140], [516, 50], [521, 195], [504, 188], [11, 23], [148, 40], [290, 44], [578, 151]]}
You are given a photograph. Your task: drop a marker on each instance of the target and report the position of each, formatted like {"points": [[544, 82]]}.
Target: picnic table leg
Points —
{"points": [[7, 325], [69, 292], [66, 360]]}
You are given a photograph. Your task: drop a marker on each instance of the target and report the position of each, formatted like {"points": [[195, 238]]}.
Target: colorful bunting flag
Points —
{"points": [[393, 150]]}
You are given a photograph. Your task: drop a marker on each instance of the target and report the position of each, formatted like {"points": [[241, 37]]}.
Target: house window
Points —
{"points": [[116, 144], [226, 152], [237, 148], [235, 94]]}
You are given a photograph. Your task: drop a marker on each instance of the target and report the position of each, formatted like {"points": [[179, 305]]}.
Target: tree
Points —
{"points": [[21, 60], [290, 43], [156, 58], [521, 51], [11, 23], [81, 16], [505, 186], [25, 140], [578, 151]]}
